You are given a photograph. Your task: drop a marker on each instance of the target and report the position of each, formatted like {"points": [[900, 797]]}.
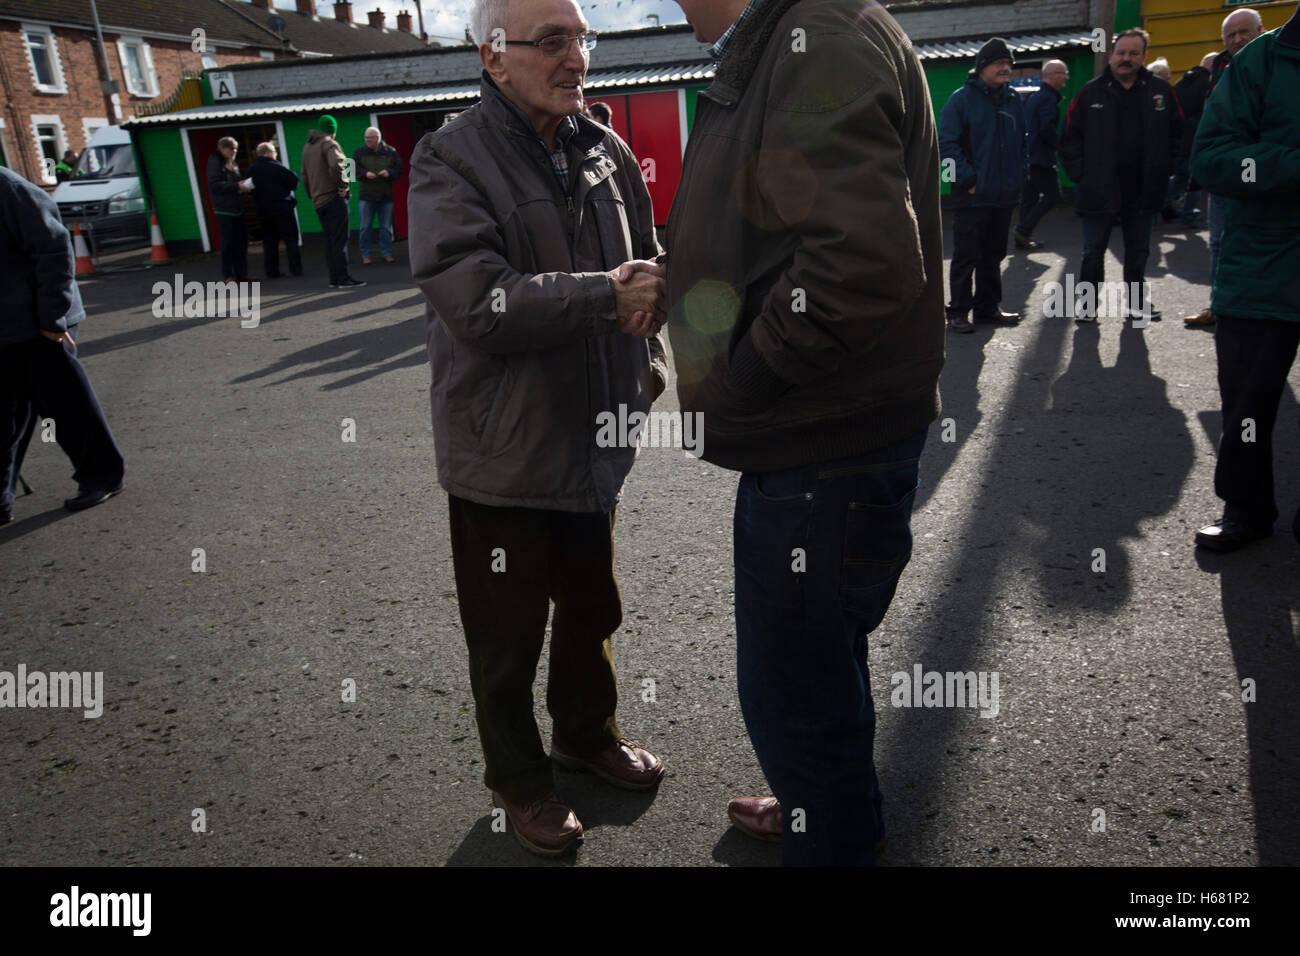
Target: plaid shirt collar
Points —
{"points": [[560, 155], [719, 49]]}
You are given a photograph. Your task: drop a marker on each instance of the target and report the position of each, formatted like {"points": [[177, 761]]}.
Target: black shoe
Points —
{"points": [[1154, 315], [959, 323], [1224, 536], [89, 497], [997, 317], [348, 283], [1025, 242], [7, 516]]}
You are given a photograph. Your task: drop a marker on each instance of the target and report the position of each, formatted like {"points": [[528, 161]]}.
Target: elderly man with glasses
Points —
{"points": [[524, 218]]}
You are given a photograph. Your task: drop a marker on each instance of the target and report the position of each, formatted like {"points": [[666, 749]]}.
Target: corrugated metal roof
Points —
{"points": [[1028, 43], [465, 93]]}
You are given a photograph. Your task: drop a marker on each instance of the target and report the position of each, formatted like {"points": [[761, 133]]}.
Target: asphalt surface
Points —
{"points": [[1120, 691]]}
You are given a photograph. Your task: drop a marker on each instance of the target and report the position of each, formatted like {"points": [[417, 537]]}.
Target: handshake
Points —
{"points": [[639, 291]]}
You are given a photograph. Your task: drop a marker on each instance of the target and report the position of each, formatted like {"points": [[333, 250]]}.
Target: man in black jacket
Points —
{"points": [[1123, 137], [1042, 122], [1191, 90], [226, 187], [273, 187], [39, 373]]}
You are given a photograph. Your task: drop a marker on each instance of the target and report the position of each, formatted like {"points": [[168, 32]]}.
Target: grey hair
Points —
{"points": [[266, 149], [486, 16], [1254, 15], [228, 141]]}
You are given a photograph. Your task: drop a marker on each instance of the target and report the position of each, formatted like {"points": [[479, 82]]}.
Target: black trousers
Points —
{"points": [[1042, 191], [510, 564], [334, 220], [41, 378], [280, 224], [234, 246], [979, 235], [1255, 357]]}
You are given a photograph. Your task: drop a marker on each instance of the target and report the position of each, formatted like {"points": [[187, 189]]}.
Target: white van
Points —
{"points": [[104, 193]]}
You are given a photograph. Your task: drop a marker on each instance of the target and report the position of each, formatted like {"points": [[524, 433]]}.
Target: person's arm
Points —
{"points": [[1071, 150], [31, 219], [1024, 139], [218, 183], [1177, 131], [338, 167], [288, 178], [645, 246], [831, 171], [1229, 159], [458, 259], [952, 123], [395, 173]]}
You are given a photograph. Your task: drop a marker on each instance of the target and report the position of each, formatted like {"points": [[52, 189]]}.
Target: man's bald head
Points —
{"points": [[1056, 74], [1207, 61], [1240, 27]]}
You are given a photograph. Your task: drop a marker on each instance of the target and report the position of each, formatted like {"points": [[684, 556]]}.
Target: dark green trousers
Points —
{"points": [[511, 564]]}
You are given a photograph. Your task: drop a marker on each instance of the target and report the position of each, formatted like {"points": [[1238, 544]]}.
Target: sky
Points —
{"points": [[450, 19]]}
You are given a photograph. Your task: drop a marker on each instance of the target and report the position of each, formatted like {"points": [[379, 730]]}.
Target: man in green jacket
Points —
{"points": [[1248, 152]]}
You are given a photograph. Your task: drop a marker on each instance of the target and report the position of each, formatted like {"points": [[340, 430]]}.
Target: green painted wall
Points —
{"points": [[1128, 13], [164, 157], [352, 129]]}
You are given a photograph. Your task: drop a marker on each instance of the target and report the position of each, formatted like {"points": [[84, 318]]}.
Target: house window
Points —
{"points": [[43, 58], [50, 144], [137, 67]]}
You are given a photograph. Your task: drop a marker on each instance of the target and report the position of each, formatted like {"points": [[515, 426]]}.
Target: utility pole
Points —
{"points": [[108, 84]]}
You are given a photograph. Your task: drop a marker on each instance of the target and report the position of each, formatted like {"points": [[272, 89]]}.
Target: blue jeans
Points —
{"points": [[818, 553], [1178, 183], [368, 210]]}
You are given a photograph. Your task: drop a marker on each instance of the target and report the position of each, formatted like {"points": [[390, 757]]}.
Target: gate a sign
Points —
{"points": [[223, 85]]}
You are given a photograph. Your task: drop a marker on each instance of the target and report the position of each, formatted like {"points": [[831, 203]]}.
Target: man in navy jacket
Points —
{"points": [[982, 145], [39, 374], [273, 187], [1043, 117]]}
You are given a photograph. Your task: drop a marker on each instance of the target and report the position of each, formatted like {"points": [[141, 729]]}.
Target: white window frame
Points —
{"points": [[61, 143], [56, 64], [146, 64], [91, 124]]}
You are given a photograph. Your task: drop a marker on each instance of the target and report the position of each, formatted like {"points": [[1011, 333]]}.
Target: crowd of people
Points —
{"points": [[1126, 145], [802, 290], [327, 177]]}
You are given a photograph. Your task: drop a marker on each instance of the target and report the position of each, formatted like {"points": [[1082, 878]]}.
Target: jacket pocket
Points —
{"points": [[492, 424]]}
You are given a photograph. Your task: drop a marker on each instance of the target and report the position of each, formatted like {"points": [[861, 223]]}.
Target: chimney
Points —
{"points": [[404, 22], [307, 8], [343, 11], [376, 18], [263, 4]]}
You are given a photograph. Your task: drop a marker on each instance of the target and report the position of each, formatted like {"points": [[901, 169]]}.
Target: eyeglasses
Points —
{"points": [[559, 45]]}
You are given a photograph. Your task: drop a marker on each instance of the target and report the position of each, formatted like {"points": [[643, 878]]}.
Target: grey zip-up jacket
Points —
{"points": [[522, 332]]}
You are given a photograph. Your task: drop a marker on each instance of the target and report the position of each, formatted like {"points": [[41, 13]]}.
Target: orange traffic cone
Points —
{"points": [[158, 253], [84, 266]]}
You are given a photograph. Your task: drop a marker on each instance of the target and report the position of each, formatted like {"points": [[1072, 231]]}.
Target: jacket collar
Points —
{"points": [[1109, 80], [1290, 32], [499, 110], [744, 50]]}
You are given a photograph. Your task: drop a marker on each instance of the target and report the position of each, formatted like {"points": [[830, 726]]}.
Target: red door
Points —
{"points": [[398, 131]]}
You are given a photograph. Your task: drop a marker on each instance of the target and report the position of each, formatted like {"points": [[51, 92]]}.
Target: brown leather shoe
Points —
{"points": [[547, 827], [623, 764], [1204, 317], [758, 817], [389, 259]]}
